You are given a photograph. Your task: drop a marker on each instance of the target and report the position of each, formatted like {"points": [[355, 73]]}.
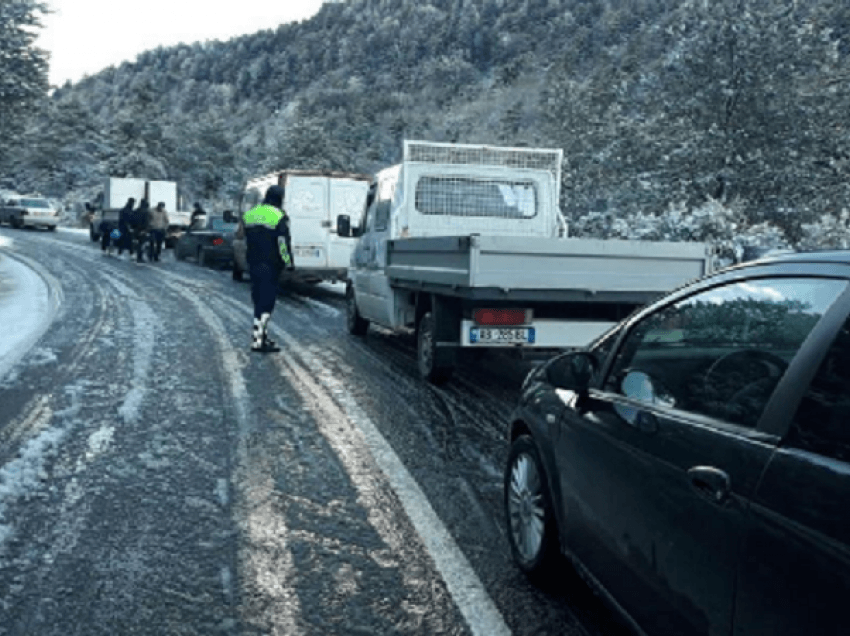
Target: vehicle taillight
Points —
{"points": [[502, 316], [218, 241]]}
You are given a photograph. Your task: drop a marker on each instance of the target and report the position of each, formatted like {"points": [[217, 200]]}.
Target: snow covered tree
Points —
{"points": [[23, 67]]}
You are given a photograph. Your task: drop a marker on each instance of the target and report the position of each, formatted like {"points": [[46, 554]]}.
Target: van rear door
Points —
{"points": [[307, 206]]}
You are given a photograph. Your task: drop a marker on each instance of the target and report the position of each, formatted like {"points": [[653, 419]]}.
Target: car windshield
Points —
{"points": [[220, 225], [35, 203]]}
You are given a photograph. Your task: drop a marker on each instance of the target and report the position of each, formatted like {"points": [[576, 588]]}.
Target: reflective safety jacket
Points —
{"points": [[267, 236]]}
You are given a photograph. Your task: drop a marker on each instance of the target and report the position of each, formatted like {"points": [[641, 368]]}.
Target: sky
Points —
{"points": [[86, 36]]}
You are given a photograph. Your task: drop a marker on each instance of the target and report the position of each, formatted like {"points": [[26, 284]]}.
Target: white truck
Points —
{"points": [[313, 201], [116, 192], [467, 245]]}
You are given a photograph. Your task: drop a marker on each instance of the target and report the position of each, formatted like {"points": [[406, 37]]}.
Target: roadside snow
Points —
{"points": [[24, 303], [24, 475]]}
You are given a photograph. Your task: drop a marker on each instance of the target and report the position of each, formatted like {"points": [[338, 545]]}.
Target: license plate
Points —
{"points": [[522, 335], [308, 252]]}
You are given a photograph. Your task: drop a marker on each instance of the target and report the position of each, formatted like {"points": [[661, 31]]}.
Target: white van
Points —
{"points": [[313, 200]]}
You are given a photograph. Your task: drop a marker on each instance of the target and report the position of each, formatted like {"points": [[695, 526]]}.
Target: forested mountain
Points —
{"points": [[664, 108]]}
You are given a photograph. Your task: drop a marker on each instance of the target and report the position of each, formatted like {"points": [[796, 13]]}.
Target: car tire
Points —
{"points": [[51, 228], [531, 526], [357, 325], [237, 273], [436, 365], [15, 222]]}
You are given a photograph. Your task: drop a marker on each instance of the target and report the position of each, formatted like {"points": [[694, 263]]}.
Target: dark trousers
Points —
{"points": [[263, 288], [104, 237], [125, 241], [156, 239], [140, 238]]}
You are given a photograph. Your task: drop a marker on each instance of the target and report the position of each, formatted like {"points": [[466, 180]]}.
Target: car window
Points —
{"points": [[720, 353], [220, 225], [822, 422], [35, 203]]}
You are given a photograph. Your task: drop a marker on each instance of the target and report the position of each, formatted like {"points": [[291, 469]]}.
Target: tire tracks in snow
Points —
{"points": [[266, 568], [362, 448]]}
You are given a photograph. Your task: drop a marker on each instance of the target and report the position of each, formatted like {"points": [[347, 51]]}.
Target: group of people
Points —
{"points": [[269, 249], [136, 227]]}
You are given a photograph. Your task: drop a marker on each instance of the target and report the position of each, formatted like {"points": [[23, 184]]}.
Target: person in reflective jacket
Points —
{"points": [[269, 251]]}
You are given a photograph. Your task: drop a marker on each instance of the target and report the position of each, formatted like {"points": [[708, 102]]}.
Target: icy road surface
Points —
{"points": [[157, 478]]}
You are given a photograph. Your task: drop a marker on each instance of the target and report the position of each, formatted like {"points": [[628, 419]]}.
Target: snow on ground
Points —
{"points": [[25, 474], [73, 230], [324, 308], [24, 302]]}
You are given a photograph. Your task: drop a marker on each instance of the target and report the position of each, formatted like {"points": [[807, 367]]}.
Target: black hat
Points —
{"points": [[274, 196]]}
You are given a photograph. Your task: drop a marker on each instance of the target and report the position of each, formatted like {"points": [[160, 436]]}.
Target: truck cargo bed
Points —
{"points": [[550, 268]]}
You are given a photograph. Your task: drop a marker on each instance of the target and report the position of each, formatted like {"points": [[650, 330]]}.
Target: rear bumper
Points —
{"points": [[223, 253], [46, 221]]}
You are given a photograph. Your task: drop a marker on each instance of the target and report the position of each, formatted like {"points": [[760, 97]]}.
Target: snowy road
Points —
{"points": [[156, 478]]}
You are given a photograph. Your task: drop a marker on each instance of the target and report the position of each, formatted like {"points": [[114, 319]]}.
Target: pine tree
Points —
{"points": [[23, 67]]}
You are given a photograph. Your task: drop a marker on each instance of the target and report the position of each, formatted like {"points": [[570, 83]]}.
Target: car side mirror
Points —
{"points": [[572, 371], [343, 226]]}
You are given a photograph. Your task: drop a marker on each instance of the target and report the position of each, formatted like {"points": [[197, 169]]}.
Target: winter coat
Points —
{"points": [[267, 236], [158, 219], [124, 219], [139, 219]]}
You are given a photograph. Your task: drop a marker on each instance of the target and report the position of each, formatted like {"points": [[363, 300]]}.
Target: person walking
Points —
{"points": [[125, 240], [196, 212], [158, 226], [139, 225], [269, 251]]}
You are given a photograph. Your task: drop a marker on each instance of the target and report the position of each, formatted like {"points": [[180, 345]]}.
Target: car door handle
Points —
{"points": [[711, 483]]}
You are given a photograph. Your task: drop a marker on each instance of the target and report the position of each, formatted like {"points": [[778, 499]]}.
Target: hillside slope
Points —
{"points": [[658, 104]]}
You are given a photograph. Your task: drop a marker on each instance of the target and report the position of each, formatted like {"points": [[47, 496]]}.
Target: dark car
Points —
{"points": [[209, 240], [694, 462]]}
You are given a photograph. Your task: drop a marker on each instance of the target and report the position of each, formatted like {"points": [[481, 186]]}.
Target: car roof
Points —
{"points": [[813, 256]]}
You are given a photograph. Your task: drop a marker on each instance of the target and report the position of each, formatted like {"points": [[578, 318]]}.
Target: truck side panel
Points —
{"points": [[546, 263], [118, 190], [163, 191]]}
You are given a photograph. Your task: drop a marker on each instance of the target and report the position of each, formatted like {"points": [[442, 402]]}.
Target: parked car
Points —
{"points": [[209, 241], [29, 211], [694, 461]]}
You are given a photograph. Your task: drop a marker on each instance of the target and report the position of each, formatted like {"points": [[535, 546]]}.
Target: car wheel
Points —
{"points": [[532, 530], [237, 273], [16, 223], [51, 228], [435, 365], [357, 325]]}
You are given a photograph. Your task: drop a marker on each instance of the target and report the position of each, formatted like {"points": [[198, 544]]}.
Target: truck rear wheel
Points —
{"points": [[357, 325], [436, 364]]}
